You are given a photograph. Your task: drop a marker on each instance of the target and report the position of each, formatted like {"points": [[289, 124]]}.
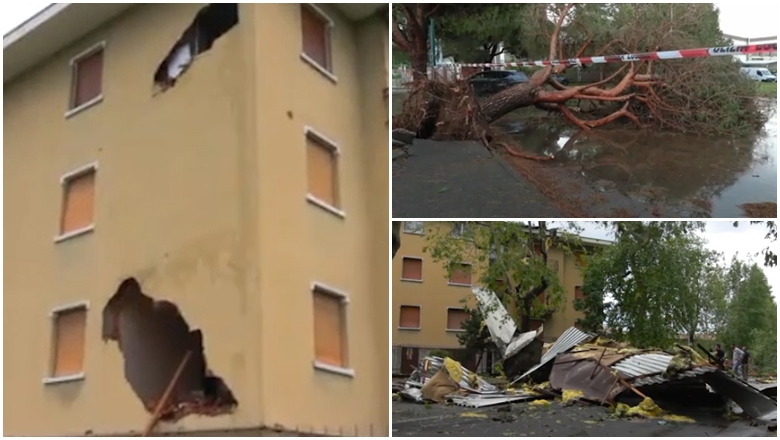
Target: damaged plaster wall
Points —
{"points": [[154, 338], [185, 232], [210, 23]]}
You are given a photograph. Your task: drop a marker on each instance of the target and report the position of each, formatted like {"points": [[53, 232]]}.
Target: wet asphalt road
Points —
{"points": [[522, 420]]}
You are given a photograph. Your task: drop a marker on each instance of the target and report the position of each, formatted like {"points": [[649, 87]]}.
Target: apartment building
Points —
{"points": [[428, 305], [196, 206]]}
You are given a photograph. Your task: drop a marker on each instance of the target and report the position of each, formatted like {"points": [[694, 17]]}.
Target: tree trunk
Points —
{"points": [[531, 295], [419, 59], [525, 323], [508, 100]]}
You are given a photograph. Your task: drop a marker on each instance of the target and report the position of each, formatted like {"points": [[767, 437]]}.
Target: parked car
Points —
{"points": [[758, 74], [561, 79], [493, 81]]}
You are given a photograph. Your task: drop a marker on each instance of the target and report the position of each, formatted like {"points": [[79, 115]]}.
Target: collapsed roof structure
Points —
{"points": [[590, 368]]}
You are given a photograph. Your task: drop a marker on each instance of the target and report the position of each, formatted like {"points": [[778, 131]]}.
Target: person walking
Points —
{"points": [[745, 362], [720, 355], [736, 360]]}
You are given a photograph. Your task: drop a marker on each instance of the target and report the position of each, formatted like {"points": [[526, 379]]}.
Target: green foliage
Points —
{"points": [[659, 280], [763, 349], [400, 58], [717, 100], [752, 313], [502, 255], [440, 353], [474, 32], [642, 287], [767, 90], [475, 338]]}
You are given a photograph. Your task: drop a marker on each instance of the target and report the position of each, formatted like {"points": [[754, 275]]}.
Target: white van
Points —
{"points": [[758, 74]]}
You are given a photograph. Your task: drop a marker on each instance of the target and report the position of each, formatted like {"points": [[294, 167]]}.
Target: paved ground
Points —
{"points": [[462, 180], [521, 420]]}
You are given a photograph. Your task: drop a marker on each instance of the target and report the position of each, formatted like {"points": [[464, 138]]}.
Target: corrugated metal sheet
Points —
{"points": [[755, 404], [568, 340], [501, 326], [435, 363], [481, 401], [659, 378], [521, 341], [644, 364]]}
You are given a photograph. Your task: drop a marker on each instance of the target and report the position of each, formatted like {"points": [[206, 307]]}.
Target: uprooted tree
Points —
{"points": [[705, 95]]}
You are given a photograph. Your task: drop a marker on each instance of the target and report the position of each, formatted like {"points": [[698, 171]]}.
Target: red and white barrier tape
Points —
{"points": [[663, 55]]}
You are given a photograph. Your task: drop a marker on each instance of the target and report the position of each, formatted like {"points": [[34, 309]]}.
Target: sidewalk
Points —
{"points": [[446, 179]]}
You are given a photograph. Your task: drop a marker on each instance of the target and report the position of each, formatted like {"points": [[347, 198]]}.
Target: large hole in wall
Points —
{"points": [[210, 23], [154, 339]]}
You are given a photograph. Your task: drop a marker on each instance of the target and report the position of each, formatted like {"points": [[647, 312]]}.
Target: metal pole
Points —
{"points": [[432, 37]]}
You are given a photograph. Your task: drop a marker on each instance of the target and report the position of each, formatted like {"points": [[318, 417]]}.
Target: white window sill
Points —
{"points": [[449, 330], [348, 372], [413, 233], [325, 72], [74, 234], [409, 328], [458, 284], [409, 280], [63, 379], [326, 206], [76, 110]]}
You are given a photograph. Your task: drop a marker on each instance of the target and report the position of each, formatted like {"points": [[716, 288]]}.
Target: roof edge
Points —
{"points": [[33, 23]]}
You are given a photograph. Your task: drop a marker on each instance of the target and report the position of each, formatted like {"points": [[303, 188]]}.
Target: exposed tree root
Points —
{"points": [[521, 154], [443, 110]]}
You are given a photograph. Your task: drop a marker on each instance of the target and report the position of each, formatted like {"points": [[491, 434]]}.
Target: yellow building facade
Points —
{"points": [[427, 304], [196, 181]]}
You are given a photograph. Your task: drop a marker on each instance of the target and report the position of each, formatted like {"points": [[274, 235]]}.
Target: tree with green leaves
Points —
{"points": [[751, 314], [751, 302], [511, 260], [478, 32], [475, 338], [644, 287]]}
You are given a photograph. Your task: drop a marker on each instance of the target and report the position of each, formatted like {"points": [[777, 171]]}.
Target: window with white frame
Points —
{"points": [[316, 30], [414, 227], [68, 340], [77, 213], [330, 329], [458, 229]]}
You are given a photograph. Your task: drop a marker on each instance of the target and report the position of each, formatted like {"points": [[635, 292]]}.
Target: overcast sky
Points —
{"points": [[744, 241], [752, 19]]}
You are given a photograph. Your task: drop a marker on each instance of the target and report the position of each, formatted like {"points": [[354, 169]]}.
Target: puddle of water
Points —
{"points": [[683, 171]]}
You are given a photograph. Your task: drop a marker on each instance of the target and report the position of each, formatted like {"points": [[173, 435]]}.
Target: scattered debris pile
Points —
{"points": [[163, 358], [584, 368]]}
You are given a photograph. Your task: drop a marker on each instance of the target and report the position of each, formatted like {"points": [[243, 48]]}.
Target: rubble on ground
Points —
{"points": [[588, 369]]}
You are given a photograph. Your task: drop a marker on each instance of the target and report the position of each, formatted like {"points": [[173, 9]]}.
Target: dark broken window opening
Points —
{"points": [[154, 339], [209, 24]]}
